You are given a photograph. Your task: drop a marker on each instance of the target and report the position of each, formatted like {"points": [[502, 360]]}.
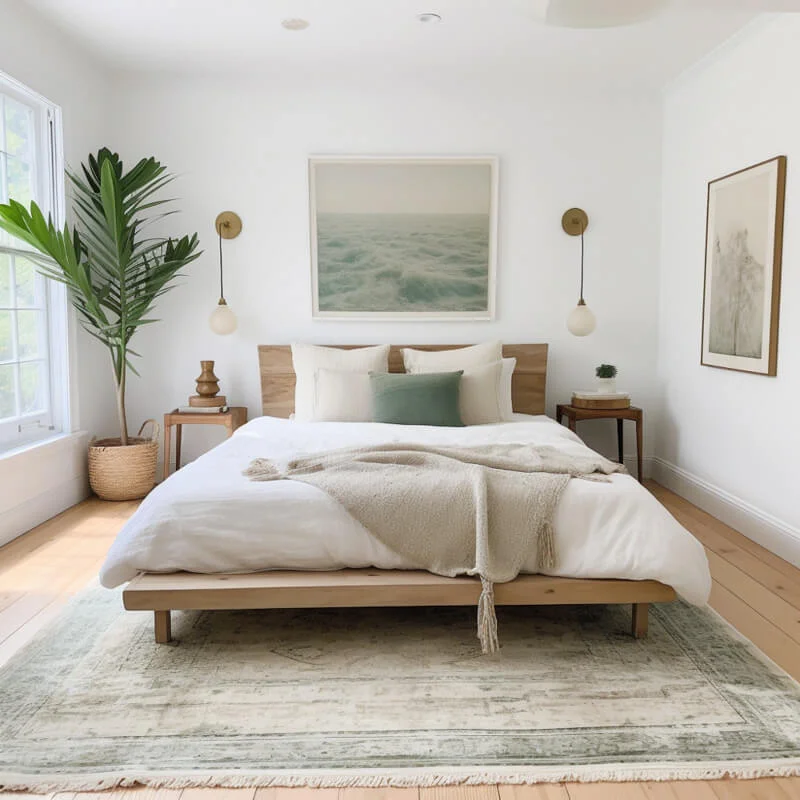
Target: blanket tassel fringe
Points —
{"points": [[487, 618], [262, 469], [547, 547]]}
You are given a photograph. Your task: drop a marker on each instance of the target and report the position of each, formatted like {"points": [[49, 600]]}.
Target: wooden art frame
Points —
{"points": [[742, 286]]}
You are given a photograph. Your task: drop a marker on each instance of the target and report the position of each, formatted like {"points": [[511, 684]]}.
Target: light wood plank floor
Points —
{"points": [[755, 590]]}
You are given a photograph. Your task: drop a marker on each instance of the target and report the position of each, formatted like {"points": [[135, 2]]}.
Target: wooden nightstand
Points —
{"points": [[233, 418], [575, 415]]}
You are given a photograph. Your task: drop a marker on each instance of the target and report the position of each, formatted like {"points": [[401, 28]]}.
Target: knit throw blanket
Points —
{"points": [[451, 510]]}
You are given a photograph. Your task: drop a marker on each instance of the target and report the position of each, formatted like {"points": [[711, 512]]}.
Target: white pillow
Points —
{"points": [[342, 396], [506, 403], [485, 396], [416, 361], [308, 358], [479, 398]]}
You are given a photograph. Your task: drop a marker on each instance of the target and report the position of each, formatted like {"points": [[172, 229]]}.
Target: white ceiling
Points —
{"points": [[213, 36]]}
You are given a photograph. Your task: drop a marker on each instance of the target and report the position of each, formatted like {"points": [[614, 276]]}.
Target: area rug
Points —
{"points": [[346, 697]]}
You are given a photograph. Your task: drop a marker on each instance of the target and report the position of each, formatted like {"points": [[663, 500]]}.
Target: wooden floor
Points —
{"points": [[755, 590]]}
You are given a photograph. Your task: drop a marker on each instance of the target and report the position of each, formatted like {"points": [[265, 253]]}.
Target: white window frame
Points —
{"points": [[50, 197]]}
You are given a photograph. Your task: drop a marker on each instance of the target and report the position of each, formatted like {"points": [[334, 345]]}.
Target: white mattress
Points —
{"points": [[207, 517]]}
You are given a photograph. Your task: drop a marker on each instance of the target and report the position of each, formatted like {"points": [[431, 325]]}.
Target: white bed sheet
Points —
{"points": [[207, 517]]}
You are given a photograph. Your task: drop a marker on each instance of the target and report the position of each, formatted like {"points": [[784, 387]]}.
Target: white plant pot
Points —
{"points": [[606, 385]]}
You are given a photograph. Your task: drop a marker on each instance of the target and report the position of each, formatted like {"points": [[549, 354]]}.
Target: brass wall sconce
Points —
{"points": [[223, 321], [581, 321]]}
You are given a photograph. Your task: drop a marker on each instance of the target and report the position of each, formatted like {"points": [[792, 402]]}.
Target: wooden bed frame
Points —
{"points": [[163, 593]]}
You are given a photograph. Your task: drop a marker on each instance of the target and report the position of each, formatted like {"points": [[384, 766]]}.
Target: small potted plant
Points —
{"points": [[114, 271], [606, 378]]}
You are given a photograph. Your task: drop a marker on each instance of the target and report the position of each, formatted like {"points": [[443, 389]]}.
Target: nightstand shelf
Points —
{"points": [[233, 418], [575, 415]]}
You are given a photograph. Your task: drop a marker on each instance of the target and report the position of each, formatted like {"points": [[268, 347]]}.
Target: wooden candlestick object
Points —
{"points": [[207, 388]]}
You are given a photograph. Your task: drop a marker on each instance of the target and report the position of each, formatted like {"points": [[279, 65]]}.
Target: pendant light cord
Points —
{"points": [[582, 250], [221, 288]]}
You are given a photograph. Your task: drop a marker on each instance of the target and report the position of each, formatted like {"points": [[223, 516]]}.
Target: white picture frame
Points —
{"points": [[403, 237]]}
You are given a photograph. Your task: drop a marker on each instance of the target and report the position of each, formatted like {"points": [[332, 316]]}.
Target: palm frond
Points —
{"points": [[113, 274]]}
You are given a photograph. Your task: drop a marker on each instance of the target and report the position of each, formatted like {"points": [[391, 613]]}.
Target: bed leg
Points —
{"points": [[163, 625], [639, 620]]}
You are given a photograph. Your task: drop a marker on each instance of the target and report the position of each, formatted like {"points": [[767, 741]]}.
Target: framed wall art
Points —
{"points": [[744, 243], [403, 237]]}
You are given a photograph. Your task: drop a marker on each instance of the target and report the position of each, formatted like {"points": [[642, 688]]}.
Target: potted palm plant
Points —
{"points": [[114, 274]]}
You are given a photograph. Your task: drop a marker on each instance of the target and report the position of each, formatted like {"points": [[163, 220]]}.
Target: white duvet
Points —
{"points": [[207, 517]]}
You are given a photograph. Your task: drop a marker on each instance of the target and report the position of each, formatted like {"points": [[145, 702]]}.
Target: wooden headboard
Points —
{"points": [[527, 385]]}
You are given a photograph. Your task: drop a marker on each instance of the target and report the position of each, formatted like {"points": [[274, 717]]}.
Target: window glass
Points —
{"points": [[32, 402]]}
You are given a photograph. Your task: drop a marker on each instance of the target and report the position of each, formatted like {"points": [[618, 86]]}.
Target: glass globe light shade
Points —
{"points": [[581, 321], [222, 320]]}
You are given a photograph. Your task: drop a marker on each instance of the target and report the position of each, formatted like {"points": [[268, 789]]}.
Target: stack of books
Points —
{"points": [[202, 410], [604, 400]]}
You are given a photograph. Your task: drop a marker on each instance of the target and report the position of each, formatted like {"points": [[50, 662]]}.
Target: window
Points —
{"points": [[33, 330]]}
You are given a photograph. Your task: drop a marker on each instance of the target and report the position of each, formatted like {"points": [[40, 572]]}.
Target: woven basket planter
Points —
{"points": [[124, 473]]}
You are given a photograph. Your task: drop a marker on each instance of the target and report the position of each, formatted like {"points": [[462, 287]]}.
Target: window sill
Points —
{"points": [[54, 440]]}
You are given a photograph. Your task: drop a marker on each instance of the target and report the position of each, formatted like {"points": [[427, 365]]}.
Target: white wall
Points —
{"points": [[729, 440], [55, 476], [243, 146]]}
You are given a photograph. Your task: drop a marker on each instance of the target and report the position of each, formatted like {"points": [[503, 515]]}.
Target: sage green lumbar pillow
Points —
{"points": [[428, 399]]}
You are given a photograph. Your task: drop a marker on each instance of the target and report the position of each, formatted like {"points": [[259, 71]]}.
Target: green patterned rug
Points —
{"points": [[342, 697]]}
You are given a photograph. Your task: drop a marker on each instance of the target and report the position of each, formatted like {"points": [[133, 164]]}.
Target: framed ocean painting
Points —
{"points": [[744, 243], [403, 237]]}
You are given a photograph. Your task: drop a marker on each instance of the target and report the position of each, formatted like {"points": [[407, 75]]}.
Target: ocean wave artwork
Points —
{"points": [[403, 262]]}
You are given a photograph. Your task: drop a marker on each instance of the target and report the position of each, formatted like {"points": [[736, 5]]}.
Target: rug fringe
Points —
{"points": [[404, 778]]}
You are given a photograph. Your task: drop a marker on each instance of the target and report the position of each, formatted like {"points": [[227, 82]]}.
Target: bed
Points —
{"points": [[208, 539]]}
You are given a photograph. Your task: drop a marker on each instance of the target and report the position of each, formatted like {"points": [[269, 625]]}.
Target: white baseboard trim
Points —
{"points": [[630, 462], [39, 509], [764, 529]]}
